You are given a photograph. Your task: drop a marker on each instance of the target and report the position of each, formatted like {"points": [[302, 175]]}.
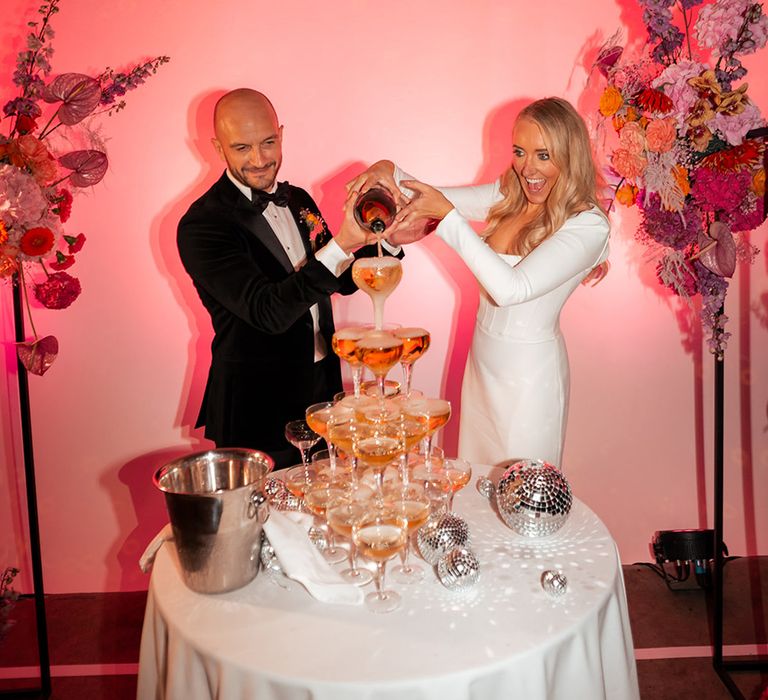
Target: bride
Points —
{"points": [[545, 234]]}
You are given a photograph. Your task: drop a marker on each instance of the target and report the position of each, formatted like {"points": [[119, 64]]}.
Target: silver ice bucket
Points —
{"points": [[217, 507]]}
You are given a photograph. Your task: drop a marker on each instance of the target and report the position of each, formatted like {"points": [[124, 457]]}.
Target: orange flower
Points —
{"points": [[661, 135], [627, 164], [705, 84], [758, 183], [3, 233], [610, 101], [632, 138], [681, 178], [7, 265], [627, 194], [37, 158]]}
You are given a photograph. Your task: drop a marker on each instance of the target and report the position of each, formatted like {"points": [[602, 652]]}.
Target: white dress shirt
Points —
{"points": [[331, 255]]}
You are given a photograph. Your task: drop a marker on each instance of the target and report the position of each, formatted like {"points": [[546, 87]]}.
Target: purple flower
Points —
{"points": [[672, 229]]}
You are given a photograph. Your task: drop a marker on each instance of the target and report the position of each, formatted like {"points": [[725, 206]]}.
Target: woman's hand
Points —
{"points": [[426, 203], [597, 274]]}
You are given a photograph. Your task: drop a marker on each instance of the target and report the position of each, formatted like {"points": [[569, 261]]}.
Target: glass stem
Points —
{"points": [[379, 580], [407, 369], [357, 378], [380, 381]]}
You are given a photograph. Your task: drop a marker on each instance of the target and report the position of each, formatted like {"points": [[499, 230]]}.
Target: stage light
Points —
{"points": [[679, 553]]}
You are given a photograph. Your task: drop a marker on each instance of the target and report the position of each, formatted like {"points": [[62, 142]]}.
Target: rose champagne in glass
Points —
{"points": [[415, 344], [379, 535], [437, 412], [344, 342], [379, 351], [377, 277]]}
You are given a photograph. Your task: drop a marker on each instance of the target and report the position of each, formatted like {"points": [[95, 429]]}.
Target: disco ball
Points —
{"points": [[440, 535], [533, 498]]}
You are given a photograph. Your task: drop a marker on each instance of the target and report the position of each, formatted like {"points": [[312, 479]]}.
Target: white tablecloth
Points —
{"points": [[506, 638]]}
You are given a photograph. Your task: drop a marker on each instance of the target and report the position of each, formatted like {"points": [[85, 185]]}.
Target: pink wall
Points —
{"points": [[438, 93]]}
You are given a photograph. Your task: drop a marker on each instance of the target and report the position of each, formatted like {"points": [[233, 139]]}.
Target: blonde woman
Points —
{"points": [[546, 233]]}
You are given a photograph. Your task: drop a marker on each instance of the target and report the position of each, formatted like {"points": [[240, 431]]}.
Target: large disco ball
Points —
{"points": [[533, 498]]}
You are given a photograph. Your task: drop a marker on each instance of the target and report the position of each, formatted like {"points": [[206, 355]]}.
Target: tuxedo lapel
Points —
{"points": [[256, 223]]}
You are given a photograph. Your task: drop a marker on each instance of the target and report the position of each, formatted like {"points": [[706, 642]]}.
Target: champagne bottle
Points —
{"points": [[375, 209]]}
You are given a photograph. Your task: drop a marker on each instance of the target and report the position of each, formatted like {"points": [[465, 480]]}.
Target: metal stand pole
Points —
{"points": [[723, 666], [34, 526]]}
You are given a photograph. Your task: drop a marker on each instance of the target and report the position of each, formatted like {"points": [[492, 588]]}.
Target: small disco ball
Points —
{"points": [[554, 583], [268, 557], [458, 570], [440, 535], [533, 498]]}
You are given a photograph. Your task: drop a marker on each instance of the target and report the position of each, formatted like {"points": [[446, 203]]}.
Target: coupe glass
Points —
{"points": [[317, 497], [380, 351], [344, 342], [412, 502], [371, 388], [415, 344], [437, 411], [299, 478], [377, 277], [343, 513], [379, 535], [376, 447], [302, 437], [318, 415], [459, 472]]}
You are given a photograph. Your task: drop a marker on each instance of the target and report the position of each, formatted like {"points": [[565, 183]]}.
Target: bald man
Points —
{"points": [[264, 264]]}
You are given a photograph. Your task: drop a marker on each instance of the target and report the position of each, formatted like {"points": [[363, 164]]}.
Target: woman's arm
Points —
{"points": [[580, 245]]}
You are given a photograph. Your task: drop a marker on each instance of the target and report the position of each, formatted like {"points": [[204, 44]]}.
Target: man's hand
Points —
{"points": [[351, 235], [380, 174]]}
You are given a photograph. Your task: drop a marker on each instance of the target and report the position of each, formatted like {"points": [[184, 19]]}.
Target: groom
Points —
{"points": [[264, 264]]}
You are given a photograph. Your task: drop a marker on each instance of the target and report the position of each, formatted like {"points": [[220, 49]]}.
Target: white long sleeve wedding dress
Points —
{"points": [[514, 398]]}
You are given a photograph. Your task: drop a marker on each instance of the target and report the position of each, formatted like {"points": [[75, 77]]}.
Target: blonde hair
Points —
{"points": [[567, 140]]}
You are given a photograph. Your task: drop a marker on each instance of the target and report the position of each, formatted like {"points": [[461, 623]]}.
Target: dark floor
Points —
{"points": [[94, 638]]}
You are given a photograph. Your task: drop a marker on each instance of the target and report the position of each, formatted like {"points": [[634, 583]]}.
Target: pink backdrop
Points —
{"points": [[436, 90]]}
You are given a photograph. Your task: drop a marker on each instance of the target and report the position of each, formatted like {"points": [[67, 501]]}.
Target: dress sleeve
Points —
{"points": [[473, 201], [574, 249]]}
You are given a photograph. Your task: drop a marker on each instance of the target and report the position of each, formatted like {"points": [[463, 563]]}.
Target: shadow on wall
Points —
{"points": [[165, 253], [146, 517]]}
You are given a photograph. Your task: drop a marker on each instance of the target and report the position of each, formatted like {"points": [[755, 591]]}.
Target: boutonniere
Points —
{"points": [[316, 228]]}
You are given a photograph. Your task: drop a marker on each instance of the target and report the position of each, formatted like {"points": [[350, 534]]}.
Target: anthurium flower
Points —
{"points": [[37, 356], [36, 241], [79, 95], [88, 167]]}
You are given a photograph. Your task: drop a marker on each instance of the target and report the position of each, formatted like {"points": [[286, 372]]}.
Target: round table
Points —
{"points": [[504, 638]]}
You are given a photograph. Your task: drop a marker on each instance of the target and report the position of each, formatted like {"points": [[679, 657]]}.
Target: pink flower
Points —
{"points": [[632, 138], [720, 22], [628, 165], [619, 78], [661, 135], [58, 291], [734, 127], [673, 81]]}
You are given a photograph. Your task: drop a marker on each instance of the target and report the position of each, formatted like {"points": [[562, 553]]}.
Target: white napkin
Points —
{"points": [[302, 561], [148, 558]]}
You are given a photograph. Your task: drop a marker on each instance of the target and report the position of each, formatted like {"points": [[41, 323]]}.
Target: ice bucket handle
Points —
{"points": [[258, 507]]}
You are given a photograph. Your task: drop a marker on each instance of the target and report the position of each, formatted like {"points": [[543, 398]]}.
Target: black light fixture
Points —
{"points": [[685, 557]]}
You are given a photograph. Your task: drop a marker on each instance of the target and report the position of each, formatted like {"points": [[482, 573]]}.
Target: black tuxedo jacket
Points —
{"points": [[262, 363]]}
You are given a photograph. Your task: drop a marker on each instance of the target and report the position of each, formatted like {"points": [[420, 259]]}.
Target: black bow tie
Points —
{"points": [[280, 197]]}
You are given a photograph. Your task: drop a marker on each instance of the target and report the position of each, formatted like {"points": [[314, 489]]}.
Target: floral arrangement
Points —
{"points": [[318, 231], [48, 155], [684, 155]]}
